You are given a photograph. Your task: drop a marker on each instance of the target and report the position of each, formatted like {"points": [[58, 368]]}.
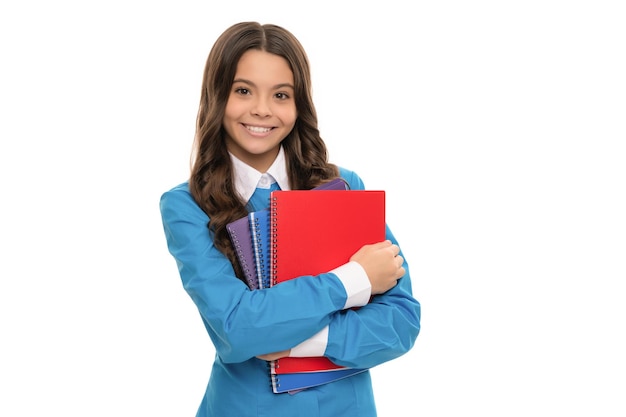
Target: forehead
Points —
{"points": [[262, 67]]}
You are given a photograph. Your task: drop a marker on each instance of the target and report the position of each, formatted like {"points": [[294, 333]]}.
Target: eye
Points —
{"points": [[282, 96], [241, 90]]}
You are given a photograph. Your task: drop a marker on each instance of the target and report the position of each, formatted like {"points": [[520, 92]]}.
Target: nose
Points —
{"points": [[262, 107]]}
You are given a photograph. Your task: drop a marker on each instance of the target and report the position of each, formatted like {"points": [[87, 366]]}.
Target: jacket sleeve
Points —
{"points": [[242, 323]]}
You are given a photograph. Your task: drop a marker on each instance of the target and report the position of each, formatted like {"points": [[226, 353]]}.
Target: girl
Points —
{"points": [[256, 132]]}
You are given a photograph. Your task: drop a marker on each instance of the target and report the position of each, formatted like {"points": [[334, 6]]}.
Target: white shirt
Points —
{"points": [[247, 179]]}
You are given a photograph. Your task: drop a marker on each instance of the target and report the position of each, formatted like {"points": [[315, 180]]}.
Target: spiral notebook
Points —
{"points": [[241, 239], [290, 365], [299, 381], [313, 233]]}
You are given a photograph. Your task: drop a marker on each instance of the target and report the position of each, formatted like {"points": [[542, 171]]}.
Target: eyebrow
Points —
{"points": [[277, 86]]}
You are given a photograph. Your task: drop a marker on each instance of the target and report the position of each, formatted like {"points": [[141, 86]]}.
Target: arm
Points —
{"points": [[232, 314], [384, 329]]}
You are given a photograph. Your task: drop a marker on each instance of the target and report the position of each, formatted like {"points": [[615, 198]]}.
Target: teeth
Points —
{"points": [[257, 129]]}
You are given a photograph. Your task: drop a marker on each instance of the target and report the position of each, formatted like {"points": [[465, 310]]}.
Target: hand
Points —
{"points": [[275, 355], [382, 263]]}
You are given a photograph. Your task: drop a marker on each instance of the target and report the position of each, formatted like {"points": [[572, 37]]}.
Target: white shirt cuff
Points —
{"points": [[356, 283], [314, 346], [358, 290]]}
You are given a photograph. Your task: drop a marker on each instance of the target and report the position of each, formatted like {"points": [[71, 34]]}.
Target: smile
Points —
{"points": [[258, 129]]}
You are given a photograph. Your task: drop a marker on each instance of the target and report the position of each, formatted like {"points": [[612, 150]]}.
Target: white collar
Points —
{"points": [[247, 179]]}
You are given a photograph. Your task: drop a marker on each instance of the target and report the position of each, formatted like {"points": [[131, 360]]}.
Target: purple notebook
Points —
{"points": [[241, 237]]}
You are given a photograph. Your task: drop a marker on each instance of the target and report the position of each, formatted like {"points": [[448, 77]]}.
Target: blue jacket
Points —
{"points": [[242, 323]]}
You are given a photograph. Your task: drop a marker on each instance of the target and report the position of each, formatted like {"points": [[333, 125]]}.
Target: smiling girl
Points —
{"points": [[257, 132]]}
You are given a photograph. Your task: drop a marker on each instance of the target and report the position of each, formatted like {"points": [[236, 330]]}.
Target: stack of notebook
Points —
{"points": [[311, 233]]}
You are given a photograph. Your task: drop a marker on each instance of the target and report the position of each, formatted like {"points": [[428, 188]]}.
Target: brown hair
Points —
{"points": [[211, 182]]}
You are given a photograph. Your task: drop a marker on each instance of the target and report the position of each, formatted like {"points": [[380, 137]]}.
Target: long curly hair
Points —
{"points": [[211, 181]]}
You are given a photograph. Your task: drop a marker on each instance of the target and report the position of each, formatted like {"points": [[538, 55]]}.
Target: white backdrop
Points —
{"points": [[497, 129]]}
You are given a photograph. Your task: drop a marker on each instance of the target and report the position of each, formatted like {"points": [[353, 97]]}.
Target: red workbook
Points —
{"points": [[313, 233], [291, 365]]}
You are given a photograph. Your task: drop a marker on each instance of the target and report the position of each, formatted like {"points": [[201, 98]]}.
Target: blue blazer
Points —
{"points": [[243, 324]]}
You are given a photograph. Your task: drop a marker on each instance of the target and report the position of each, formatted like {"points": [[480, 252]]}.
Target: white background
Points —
{"points": [[496, 127]]}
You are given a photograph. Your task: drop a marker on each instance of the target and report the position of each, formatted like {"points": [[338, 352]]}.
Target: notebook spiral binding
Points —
{"points": [[274, 239], [260, 262], [260, 236], [274, 378], [275, 384]]}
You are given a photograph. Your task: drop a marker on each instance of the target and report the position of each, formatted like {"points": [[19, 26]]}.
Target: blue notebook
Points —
{"points": [[259, 222], [299, 381]]}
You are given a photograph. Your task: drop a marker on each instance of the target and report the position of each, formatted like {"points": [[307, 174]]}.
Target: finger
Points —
{"points": [[401, 272]]}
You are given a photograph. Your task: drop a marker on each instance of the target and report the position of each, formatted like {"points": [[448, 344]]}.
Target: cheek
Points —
{"points": [[289, 115], [231, 111]]}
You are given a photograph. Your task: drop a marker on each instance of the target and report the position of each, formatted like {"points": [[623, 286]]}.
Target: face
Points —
{"points": [[261, 108]]}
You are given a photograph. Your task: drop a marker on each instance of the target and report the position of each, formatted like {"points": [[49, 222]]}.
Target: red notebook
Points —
{"points": [[313, 233], [292, 365]]}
